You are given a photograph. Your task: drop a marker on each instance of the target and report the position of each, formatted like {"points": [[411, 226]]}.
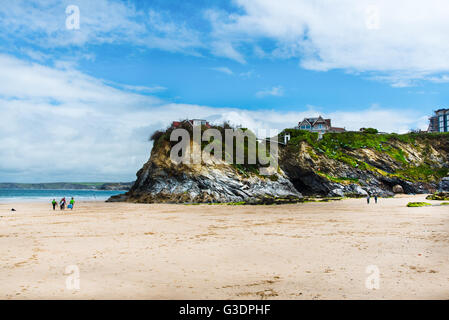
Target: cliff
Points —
{"points": [[357, 164], [160, 180], [351, 164]]}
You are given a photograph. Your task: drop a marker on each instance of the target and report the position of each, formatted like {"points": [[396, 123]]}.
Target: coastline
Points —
{"points": [[314, 250], [11, 196]]}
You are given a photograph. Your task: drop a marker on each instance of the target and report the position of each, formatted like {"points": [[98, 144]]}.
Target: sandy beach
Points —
{"points": [[299, 251]]}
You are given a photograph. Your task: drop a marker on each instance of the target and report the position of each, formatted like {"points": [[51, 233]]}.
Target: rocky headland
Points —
{"points": [[349, 164]]}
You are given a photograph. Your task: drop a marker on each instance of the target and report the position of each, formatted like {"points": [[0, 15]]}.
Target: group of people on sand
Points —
{"points": [[62, 204], [368, 198]]}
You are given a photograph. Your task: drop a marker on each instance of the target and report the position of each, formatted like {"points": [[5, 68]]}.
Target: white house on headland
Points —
{"points": [[319, 125]]}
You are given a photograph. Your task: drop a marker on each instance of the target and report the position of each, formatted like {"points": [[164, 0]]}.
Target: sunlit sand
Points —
{"points": [[300, 251]]}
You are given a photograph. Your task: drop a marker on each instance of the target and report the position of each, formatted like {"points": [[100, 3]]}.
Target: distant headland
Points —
{"points": [[69, 186]]}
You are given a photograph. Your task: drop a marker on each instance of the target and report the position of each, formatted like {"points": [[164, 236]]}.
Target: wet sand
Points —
{"points": [[300, 251]]}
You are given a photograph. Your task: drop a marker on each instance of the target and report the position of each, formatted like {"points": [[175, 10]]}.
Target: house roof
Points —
{"points": [[313, 121], [305, 122], [336, 129]]}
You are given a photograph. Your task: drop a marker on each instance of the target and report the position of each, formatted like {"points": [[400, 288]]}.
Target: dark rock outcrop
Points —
{"points": [[160, 180]]}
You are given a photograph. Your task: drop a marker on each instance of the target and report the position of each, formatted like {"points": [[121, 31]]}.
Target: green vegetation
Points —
{"points": [[370, 130], [422, 173], [248, 144], [343, 147], [326, 199], [240, 203], [337, 179], [418, 204], [445, 204], [441, 196]]}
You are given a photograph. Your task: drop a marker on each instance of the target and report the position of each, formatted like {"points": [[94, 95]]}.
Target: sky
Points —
{"points": [[78, 102]]}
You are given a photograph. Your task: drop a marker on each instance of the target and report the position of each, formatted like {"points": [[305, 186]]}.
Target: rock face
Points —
{"points": [[440, 196], [354, 165], [444, 184], [160, 180], [339, 165], [116, 186]]}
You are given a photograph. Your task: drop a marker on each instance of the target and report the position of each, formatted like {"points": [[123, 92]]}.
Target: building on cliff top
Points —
{"points": [[193, 123], [319, 125], [439, 122]]}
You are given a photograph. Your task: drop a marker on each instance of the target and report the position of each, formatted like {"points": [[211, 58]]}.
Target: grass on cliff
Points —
{"points": [[243, 167], [340, 180], [338, 146]]}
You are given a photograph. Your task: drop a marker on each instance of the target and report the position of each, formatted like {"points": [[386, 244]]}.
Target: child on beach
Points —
{"points": [[54, 203], [367, 199]]}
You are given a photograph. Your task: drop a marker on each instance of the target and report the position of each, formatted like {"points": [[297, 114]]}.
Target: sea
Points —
{"points": [[25, 195]]}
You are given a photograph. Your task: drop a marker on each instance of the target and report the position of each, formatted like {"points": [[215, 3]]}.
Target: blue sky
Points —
{"points": [[79, 105]]}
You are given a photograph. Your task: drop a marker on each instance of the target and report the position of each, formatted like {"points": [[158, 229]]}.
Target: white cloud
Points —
{"points": [[386, 120], [42, 23], [277, 91], [407, 38], [142, 89], [439, 79], [225, 70], [402, 42], [227, 50]]}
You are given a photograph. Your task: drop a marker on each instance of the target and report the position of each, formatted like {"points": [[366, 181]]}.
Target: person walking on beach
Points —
{"points": [[62, 203], [54, 203], [375, 198], [367, 199], [72, 203]]}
